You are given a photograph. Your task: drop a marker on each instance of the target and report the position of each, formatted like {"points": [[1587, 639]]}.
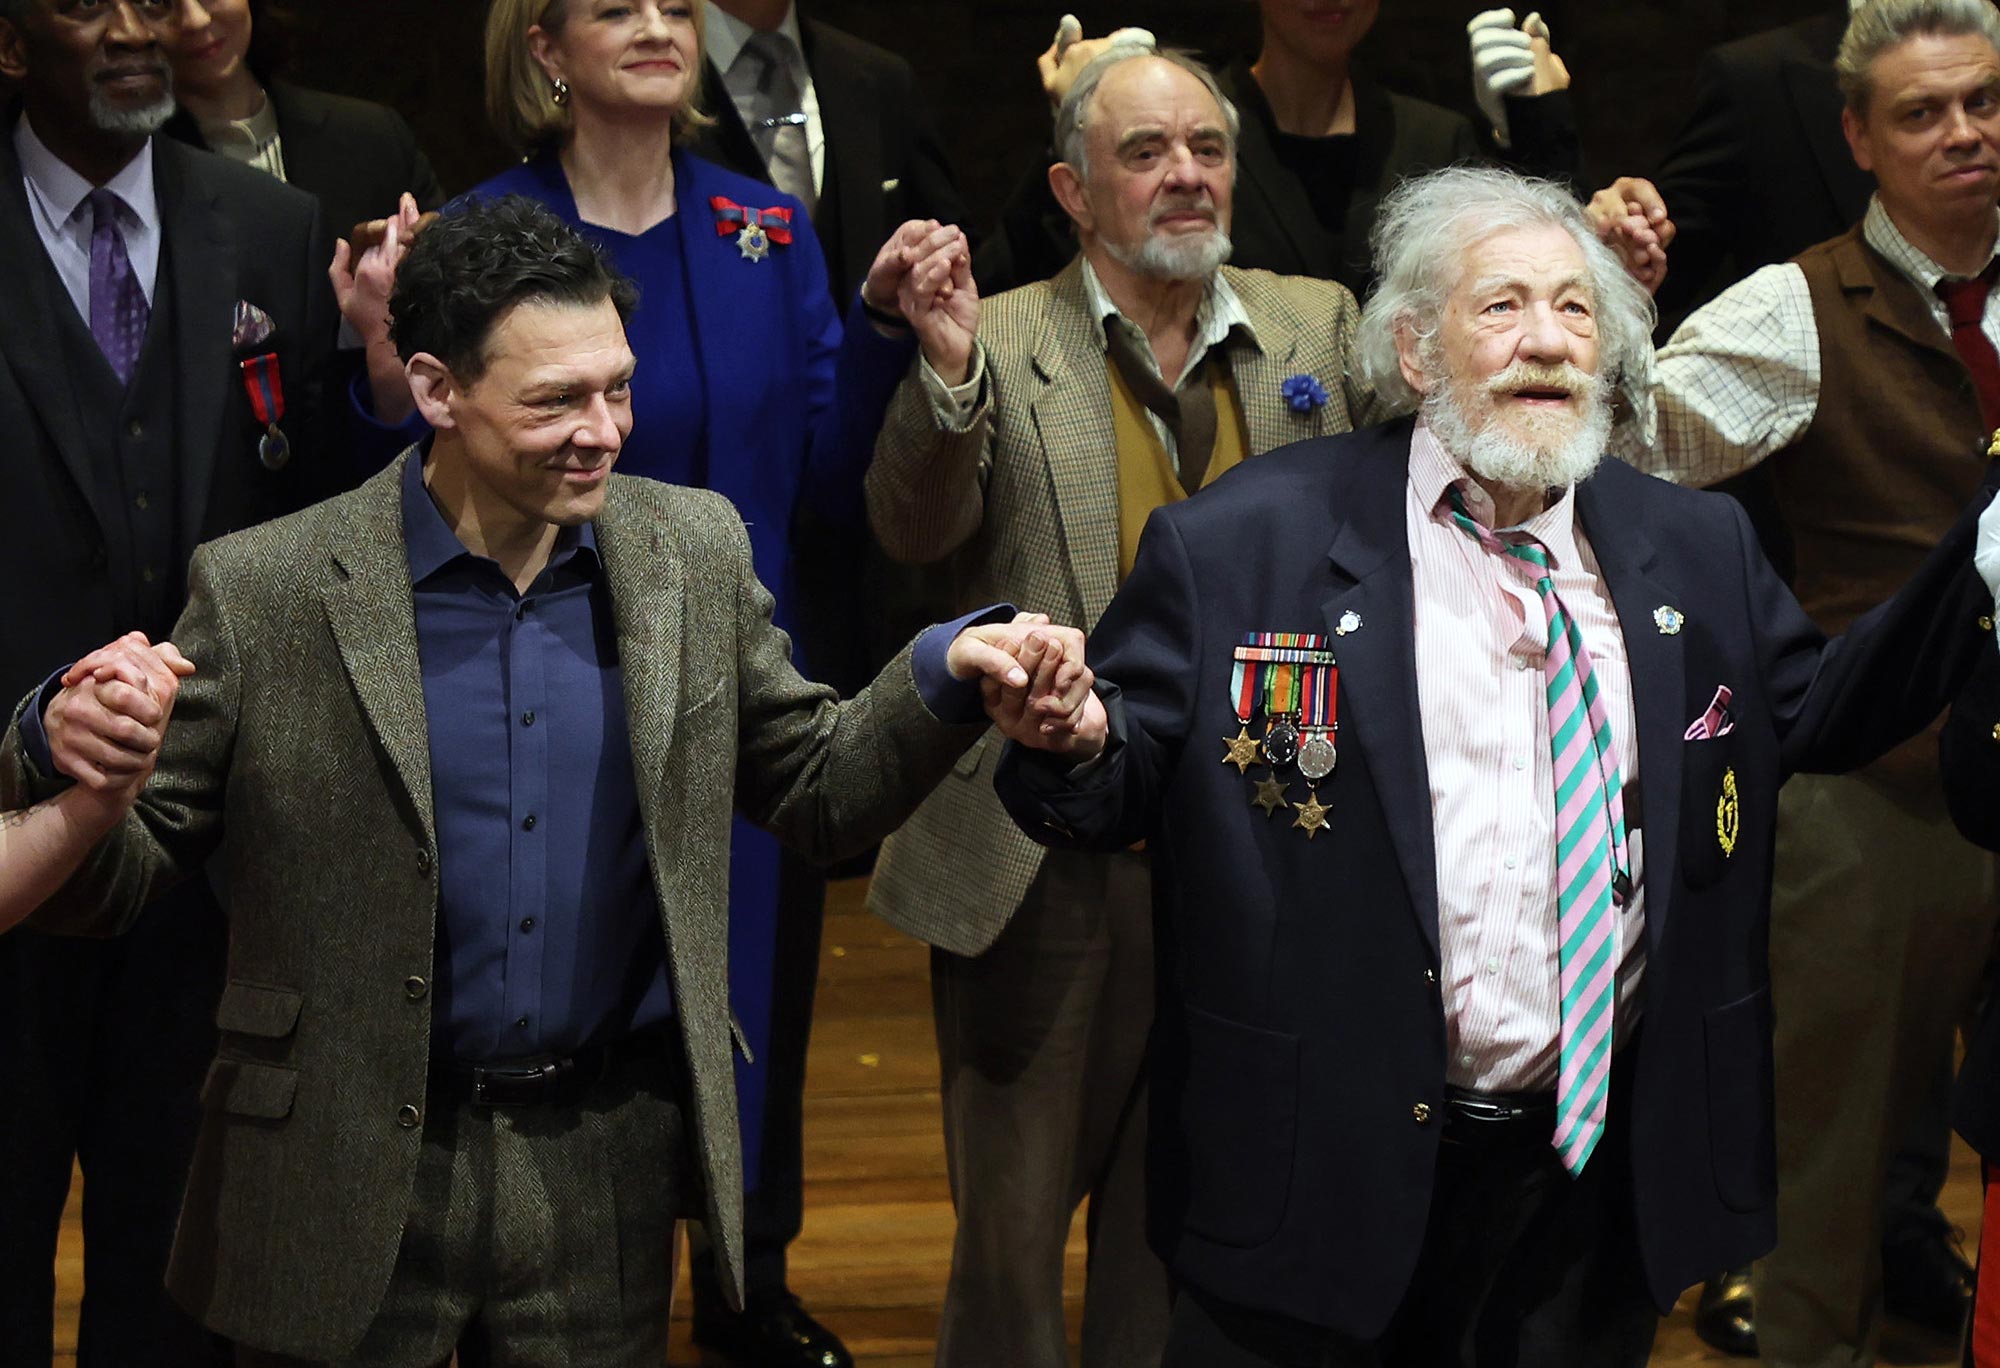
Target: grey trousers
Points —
{"points": [[538, 1236], [1882, 918], [1042, 1043]]}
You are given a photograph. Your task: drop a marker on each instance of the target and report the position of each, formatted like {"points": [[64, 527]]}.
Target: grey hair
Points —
{"points": [[1073, 114], [1421, 235], [1879, 25]]}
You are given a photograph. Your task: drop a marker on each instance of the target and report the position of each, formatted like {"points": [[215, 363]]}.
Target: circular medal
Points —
{"points": [[1281, 742], [1316, 756], [274, 449]]}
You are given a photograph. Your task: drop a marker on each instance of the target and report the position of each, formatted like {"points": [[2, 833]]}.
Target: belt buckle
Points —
{"points": [[1486, 1111]]}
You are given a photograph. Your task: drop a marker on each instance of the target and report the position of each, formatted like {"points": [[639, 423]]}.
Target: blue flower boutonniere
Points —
{"points": [[1304, 393]]}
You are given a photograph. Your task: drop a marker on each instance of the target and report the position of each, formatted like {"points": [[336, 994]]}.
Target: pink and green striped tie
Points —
{"points": [[1592, 860]]}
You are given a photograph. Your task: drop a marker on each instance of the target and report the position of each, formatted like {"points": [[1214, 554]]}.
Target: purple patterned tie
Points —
{"points": [[118, 308]]}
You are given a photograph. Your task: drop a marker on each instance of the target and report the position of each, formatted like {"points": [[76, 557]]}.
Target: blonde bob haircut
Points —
{"points": [[520, 99]]}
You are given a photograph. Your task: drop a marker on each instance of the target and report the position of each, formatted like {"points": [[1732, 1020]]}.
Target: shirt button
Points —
{"points": [[522, 1023], [528, 822], [528, 719], [407, 1116], [1522, 662], [1421, 1113], [1511, 862], [414, 988], [527, 923], [135, 428], [1466, 1060], [1520, 763]]}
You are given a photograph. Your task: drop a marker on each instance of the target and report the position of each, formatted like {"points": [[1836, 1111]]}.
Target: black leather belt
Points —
{"points": [[1476, 1117], [542, 1080]]}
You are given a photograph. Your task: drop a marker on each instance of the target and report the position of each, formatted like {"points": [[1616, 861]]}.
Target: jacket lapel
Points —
{"points": [[727, 140], [1261, 371], [1370, 558], [1630, 565], [374, 620], [200, 261], [29, 340], [1073, 416], [648, 589], [852, 182]]}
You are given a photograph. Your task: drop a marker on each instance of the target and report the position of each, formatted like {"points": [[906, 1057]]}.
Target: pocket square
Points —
{"points": [[251, 327], [892, 185], [1714, 722]]}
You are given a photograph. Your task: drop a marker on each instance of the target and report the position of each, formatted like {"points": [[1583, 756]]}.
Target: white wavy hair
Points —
{"points": [[1422, 234]]}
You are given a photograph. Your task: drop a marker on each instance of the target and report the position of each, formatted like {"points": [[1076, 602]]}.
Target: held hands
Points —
{"points": [[106, 725], [1511, 61], [363, 275], [1035, 684], [1631, 219], [923, 275]]}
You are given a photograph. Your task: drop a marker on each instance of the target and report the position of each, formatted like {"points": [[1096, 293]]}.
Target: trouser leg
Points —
{"points": [[1881, 920]]}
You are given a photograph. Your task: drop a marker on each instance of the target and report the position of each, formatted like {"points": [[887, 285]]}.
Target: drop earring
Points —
{"points": [[559, 91]]}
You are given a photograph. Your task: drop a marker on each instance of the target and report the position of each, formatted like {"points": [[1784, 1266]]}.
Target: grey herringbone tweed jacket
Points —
{"points": [[1023, 500], [302, 739]]}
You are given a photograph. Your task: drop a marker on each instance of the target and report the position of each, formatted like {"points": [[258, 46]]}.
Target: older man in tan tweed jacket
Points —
{"points": [[1029, 460]]}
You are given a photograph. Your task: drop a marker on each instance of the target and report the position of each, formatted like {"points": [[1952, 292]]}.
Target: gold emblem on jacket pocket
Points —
{"points": [[1727, 814]]}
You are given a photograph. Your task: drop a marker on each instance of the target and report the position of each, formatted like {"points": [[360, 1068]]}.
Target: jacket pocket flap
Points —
{"points": [[242, 1088], [258, 1010]]}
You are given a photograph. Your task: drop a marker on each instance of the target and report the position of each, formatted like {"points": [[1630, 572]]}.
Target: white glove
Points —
{"points": [[1069, 32], [1986, 552], [1503, 62]]}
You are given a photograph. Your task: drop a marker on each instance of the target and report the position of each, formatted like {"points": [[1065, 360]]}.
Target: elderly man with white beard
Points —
{"points": [[1457, 752], [1060, 418]]}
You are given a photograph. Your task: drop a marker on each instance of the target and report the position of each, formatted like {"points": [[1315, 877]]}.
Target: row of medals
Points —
{"points": [[1284, 744]]}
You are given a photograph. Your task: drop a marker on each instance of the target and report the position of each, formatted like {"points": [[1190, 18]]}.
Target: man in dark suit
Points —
{"points": [[1484, 1076], [500, 703], [861, 153], [157, 300]]}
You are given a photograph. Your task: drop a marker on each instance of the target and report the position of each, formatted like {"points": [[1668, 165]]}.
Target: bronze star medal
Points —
{"points": [[1312, 814], [1270, 794], [753, 242], [1242, 750]]}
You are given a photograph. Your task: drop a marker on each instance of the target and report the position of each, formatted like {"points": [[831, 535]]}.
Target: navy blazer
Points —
{"points": [[1299, 1053]]}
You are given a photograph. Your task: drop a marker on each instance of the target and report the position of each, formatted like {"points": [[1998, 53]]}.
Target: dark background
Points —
{"points": [[1633, 62]]}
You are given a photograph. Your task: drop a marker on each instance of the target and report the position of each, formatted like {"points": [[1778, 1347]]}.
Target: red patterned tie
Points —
{"points": [[1965, 301]]}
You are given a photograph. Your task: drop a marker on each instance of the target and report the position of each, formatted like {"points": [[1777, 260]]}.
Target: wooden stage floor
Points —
{"points": [[877, 1240]]}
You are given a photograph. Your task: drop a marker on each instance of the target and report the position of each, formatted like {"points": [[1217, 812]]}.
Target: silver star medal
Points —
{"points": [[753, 242], [1350, 621]]}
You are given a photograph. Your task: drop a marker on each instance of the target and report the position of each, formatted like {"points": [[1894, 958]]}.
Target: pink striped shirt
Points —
{"points": [[1481, 633]]}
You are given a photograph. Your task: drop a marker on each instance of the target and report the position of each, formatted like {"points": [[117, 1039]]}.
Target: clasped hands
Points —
{"points": [[106, 724], [1034, 683]]}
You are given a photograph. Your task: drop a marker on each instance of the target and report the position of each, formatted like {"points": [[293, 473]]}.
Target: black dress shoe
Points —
{"points": [[771, 1334], [1927, 1282], [1725, 1318]]}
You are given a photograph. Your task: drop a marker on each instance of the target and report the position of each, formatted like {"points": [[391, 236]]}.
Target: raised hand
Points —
{"points": [[364, 276], [1507, 60], [1631, 218], [106, 724], [941, 303]]}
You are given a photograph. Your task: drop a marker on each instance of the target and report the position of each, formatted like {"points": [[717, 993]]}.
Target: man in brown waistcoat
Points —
{"points": [[1863, 372], [1062, 417]]}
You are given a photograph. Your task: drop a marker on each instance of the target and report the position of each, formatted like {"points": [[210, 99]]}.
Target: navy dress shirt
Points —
{"points": [[549, 934]]}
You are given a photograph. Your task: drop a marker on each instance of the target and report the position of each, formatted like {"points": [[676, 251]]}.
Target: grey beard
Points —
{"points": [[1162, 258], [143, 122], [1495, 455]]}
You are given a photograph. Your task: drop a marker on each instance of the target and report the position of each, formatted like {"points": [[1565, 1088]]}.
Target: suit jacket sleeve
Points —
{"points": [[1969, 755], [926, 488], [850, 374], [1543, 129], [828, 778], [1145, 652], [177, 822], [1839, 704]]}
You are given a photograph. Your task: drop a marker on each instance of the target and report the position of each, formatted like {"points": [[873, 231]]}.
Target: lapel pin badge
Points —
{"points": [[1668, 619], [1350, 621]]}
